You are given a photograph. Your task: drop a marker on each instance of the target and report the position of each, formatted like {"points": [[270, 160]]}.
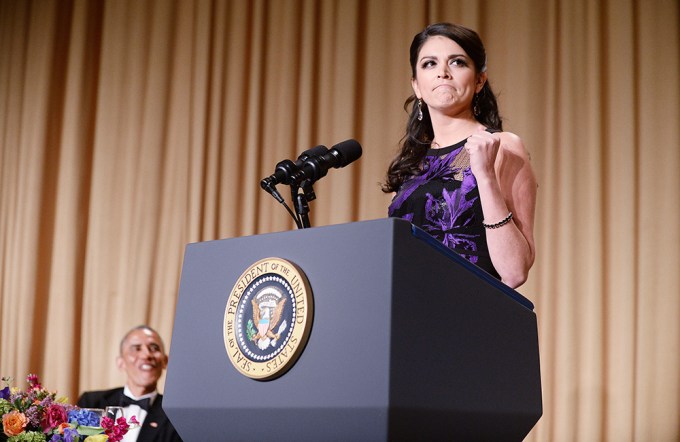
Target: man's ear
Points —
{"points": [[120, 363], [165, 361]]}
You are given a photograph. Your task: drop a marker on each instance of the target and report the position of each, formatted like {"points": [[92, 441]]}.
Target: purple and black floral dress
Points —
{"points": [[444, 201]]}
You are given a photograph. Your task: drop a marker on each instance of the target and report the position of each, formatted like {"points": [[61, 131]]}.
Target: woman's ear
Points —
{"points": [[481, 80], [416, 89]]}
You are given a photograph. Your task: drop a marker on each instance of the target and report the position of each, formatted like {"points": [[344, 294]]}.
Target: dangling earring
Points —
{"points": [[475, 107], [420, 109]]}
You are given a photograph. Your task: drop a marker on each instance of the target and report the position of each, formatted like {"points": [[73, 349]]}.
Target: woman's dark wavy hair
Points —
{"points": [[419, 134]]}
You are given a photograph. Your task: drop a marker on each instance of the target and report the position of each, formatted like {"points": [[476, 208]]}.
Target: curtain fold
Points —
{"points": [[129, 129]]}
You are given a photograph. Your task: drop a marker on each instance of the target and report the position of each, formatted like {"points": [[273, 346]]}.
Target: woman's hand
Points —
{"points": [[506, 183], [483, 149]]}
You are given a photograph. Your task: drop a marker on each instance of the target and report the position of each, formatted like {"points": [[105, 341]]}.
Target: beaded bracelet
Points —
{"points": [[500, 223]]}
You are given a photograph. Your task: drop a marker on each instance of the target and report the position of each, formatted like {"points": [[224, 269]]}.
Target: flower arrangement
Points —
{"points": [[38, 415]]}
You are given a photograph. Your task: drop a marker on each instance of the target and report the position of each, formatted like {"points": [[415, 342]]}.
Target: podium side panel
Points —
{"points": [[465, 354]]}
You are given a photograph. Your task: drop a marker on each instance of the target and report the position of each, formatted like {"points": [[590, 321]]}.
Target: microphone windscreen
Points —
{"points": [[349, 150]]}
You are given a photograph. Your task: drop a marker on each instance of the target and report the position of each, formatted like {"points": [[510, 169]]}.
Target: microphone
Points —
{"points": [[286, 169], [316, 167]]}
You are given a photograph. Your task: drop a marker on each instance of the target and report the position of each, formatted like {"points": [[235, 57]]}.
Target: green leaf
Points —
{"points": [[84, 430]]}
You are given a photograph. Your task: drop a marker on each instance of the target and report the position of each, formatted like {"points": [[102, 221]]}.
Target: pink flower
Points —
{"points": [[54, 415], [33, 382], [122, 423], [115, 431]]}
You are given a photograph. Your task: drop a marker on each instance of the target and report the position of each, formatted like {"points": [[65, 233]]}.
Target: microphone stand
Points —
{"points": [[271, 189], [302, 201]]}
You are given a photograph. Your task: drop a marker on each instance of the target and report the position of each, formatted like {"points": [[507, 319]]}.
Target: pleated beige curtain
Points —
{"points": [[131, 128]]}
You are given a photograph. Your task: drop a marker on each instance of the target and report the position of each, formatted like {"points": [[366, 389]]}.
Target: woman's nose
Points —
{"points": [[444, 72]]}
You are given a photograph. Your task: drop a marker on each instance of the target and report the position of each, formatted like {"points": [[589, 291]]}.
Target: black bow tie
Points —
{"points": [[144, 404]]}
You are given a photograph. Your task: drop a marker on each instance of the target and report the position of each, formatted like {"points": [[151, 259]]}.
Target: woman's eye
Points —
{"points": [[428, 63], [458, 62]]}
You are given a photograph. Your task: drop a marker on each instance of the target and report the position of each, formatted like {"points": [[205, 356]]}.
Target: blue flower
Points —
{"points": [[84, 417]]}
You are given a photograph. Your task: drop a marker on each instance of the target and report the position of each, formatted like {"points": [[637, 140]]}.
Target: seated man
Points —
{"points": [[142, 357]]}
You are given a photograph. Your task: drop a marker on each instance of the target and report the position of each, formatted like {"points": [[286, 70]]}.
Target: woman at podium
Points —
{"points": [[458, 175]]}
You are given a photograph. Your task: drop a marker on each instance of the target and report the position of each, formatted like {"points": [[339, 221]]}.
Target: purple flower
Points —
{"points": [[33, 415], [4, 393], [46, 402], [70, 435]]}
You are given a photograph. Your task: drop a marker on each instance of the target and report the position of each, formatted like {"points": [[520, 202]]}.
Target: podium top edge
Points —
{"points": [[434, 243], [419, 234]]}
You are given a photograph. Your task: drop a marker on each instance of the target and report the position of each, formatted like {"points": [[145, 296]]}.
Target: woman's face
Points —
{"points": [[445, 77]]}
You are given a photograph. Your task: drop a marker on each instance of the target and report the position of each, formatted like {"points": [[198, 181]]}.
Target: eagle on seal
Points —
{"points": [[266, 319]]}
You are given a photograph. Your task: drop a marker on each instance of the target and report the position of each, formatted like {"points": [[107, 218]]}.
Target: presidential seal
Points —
{"points": [[268, 318]]}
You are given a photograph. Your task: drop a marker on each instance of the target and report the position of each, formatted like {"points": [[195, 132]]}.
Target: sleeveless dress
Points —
{"points": [[443, 200]]}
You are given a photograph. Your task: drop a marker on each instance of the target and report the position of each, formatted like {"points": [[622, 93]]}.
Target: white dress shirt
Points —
{"points": [[137, 411]]}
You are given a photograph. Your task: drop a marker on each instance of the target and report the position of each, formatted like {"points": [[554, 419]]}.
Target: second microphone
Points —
{"points": [[313, 164]]}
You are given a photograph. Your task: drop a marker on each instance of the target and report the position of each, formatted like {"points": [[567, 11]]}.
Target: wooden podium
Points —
{"points": [[409, 342]]}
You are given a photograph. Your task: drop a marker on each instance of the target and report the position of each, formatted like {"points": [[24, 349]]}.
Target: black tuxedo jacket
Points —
{"points": [[156, 427]]}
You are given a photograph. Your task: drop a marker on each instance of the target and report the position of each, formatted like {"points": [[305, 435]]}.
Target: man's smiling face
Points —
{"points": [[143, 358]]}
